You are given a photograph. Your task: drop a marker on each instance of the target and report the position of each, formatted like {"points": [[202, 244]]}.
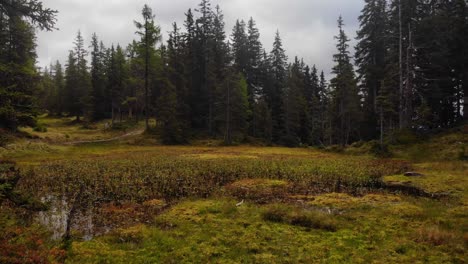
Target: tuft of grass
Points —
{"points": [[434, 235], [296, 216]]}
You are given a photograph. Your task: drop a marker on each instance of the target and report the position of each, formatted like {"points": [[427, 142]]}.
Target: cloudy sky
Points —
{"points": [[307, 27]]}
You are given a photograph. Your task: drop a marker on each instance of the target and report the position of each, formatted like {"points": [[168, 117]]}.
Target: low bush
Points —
{"points": [[89, 126], [4, 138], [123, 125], [40, 128], [335, 148], [379, 150], [405, 137], [462, 153]]}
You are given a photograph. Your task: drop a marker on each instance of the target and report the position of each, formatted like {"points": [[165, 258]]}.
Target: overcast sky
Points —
{"points": [[307, 27]]}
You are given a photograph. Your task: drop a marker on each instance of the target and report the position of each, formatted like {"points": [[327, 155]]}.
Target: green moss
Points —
{"points": [[202, 231]]}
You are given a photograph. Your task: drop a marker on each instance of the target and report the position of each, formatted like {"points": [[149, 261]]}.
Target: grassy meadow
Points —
{"points": [[131, 200]]}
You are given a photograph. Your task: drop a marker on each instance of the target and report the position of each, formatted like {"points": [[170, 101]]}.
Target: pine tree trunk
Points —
{"points": [[400, 45], [228, 138], [409, 80], [113, 114], [146, 75], [465, 92], [381, 126]]}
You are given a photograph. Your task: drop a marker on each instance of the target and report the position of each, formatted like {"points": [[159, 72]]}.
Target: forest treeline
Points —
{"points": [[409, 71]]}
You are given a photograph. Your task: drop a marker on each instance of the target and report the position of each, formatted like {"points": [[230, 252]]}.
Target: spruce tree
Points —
{"points": [[59, 82], [345, 97], [168, 109], [262, 121], [254, 55], [98, 79], [275, 91], [117, 81], [323, 115], [82, 101], [18, 75], [206, 88], [253, 71], [294, 106], [174, 104], [72, 94], [47, 92], [370, 60], [235, 108], [239, 46], [150, 34]]}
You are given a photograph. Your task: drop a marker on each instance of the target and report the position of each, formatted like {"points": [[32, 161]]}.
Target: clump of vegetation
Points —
{"points": [[9, 177], [373, 147], [299, 217], [122, 126], [405, 137], [259, 190], [21, 242], [25, 243], [40, 128], [462, 153], [4, 138], [89, 126], [335, 148], [134, 235], [434, 235], [379, 150]]}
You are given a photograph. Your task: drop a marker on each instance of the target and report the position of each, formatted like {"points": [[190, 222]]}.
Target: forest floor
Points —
{"points": [[131, 200]]}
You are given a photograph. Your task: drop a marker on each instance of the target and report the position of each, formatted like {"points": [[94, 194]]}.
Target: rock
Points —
{"points": [[412, 174]]}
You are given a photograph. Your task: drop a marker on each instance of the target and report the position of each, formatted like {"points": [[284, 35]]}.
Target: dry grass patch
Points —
{"points": [[435, 236], [259, 190]]}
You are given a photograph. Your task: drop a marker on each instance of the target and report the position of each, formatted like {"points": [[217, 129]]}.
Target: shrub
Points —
{"points": [[89, 126], [3, 138], [462, 153], [122, 125], [335, 148], [358, 144], [405, 137], [379, 150], [40, 128]]}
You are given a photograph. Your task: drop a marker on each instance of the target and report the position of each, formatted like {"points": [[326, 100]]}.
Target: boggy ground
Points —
{"points": [[244, 204]]}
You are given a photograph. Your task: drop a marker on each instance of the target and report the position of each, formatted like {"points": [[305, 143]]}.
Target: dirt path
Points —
{"points": [[129, 134]]}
